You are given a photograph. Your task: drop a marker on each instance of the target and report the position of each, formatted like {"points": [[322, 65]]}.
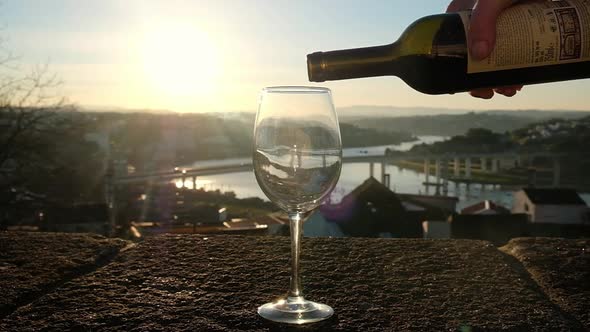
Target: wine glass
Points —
{"points": [[297, 160]]}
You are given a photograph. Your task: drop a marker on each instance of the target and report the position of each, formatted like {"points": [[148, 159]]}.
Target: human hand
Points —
{"points": [[482, 36]]}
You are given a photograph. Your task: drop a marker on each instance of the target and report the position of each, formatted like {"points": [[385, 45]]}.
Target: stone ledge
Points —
{"points": [[215, 283], [561, 267], [31, 264]]}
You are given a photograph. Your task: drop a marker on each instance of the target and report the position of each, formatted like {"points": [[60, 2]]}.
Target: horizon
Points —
{"points": [[436, 110], [215, 56]]}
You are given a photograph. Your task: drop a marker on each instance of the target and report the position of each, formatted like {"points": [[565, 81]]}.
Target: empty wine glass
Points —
{"points": [[297, 162]]}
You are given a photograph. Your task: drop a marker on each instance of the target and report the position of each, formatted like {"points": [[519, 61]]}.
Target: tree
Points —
{"points": [[33, 126], [28, 107]]}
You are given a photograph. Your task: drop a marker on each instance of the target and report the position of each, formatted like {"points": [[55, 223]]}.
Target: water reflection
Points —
{"points": [[402, 180], [189, 183]]}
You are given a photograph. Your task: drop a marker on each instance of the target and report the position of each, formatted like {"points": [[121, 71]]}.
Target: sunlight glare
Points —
{"points": [[180, 60], [188, 183]]}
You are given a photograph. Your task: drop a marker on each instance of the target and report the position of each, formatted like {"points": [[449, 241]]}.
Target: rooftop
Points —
{"points": [[485, 207], [554, 196], [189, 282]]}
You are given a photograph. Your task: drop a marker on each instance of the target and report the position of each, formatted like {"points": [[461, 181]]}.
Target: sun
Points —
{"points": [[180, 61]]}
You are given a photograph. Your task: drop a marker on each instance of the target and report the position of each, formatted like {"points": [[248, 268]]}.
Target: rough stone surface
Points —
{"points": [[32, 264], [215, 283], [561, 267]]}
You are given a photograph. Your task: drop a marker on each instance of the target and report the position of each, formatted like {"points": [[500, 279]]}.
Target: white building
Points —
{"points": [[550, 206]]}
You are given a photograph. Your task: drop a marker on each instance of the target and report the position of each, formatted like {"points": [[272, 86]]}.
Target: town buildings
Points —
{"points": [[551, 206]]}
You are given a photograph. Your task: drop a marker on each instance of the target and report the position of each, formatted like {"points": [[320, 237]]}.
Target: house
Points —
{"points": [[371, 210], [485, 207], [495, 228], [445, 203], [436, 229], [21, 207], [550, 205], [431, 212]]}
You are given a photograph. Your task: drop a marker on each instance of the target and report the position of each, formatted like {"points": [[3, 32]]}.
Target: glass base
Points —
{"points": [[295, 311]]}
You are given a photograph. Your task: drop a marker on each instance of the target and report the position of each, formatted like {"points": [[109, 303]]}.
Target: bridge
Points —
{"points": [[489, 162], [185, 173], [462, 164]]}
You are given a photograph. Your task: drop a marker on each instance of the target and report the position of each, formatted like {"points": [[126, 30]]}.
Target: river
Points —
{"points": [[244, 184]]}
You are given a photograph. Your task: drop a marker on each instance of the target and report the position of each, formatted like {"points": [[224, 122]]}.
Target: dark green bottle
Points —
{"points": [[431, 55]]}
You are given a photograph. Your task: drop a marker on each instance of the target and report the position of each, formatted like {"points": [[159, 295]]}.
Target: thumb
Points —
{"points": [[482, 29]]}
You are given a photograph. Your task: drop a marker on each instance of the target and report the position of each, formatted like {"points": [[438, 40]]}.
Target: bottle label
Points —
{"points": [[537, 34]]}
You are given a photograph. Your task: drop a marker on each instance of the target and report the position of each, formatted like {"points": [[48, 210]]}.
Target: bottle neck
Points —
{"points": [[352, 63]]}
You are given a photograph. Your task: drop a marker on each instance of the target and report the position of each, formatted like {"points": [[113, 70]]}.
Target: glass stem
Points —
{"points": [[295, 291]]}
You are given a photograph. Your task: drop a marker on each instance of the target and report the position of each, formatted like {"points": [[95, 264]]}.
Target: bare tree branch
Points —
{"points": [[29, 107]]}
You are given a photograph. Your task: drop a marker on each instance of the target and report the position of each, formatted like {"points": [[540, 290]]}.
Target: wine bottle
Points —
{"points": [[536, 42]]}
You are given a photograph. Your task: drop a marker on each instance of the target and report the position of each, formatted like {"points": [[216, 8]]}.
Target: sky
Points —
{"points": [[216, 55]]}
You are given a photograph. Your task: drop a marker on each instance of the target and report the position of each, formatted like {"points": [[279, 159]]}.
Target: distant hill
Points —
{"points": [[434, 121], [364, 111], [116, 109], [444, 125], [542, 114], [409, 120]]}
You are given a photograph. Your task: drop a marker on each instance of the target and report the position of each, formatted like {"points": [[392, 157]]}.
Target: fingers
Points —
{"points": [[459, 5], [507, 91], [482, 30], [482, 36], [482, 93]]}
